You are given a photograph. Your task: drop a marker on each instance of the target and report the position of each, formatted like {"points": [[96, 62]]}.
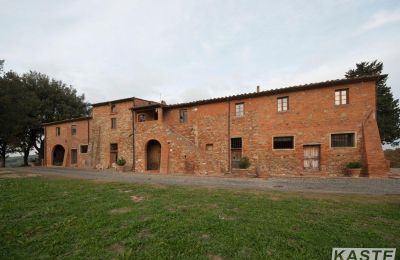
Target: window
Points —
{"points": [[141, 117], [343, 140], [209, 147], [113, 153], [236, 143], [113, 123], [74, 156], [283, 104], [239, 109], [58, 131], [183, 115], [236, 151], [341, 97], [113, 108], [284, 142], [73, 130], [84, 148]]}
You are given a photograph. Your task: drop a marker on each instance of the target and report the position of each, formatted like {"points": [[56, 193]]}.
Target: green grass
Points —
{"points": [[69, 218]]}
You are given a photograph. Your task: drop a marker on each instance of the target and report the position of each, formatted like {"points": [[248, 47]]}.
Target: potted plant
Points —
{"points": [[121, 164], [244, 164], [354, 169]]}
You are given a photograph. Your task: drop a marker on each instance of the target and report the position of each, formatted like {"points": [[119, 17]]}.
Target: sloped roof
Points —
{"points": [[278, 91], [68, 120]]}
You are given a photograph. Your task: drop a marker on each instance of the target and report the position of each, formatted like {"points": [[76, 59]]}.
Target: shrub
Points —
{"points": [[244, 163], [354, 165], [121, 162]]}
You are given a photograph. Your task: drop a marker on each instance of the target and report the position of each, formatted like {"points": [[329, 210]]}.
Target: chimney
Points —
{"points": [[258, 89]]}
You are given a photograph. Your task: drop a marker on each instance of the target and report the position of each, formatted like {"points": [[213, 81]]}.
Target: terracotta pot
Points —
{"points": [[120, 168], [355, 172]]}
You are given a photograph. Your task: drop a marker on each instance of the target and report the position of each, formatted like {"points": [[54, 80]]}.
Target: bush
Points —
{"points": [[121, 162], [244, 163], [354, 165]]}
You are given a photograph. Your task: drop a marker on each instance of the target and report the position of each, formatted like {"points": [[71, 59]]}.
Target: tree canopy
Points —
{"points": [[28, 101], [388, 111]]}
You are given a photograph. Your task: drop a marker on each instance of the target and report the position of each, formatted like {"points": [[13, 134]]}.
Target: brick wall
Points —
{"points": [[311, 119]]}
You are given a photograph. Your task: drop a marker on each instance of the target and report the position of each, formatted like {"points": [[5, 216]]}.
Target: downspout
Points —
{"points": [[133, 140], [229, 136], [45, 148]]}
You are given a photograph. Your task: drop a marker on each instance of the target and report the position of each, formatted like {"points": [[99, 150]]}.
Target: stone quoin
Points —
{"points": [[312, 129]]}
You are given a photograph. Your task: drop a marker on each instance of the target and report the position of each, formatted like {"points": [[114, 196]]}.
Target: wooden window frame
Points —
{"points": [[239, 112], [183, 115], [341, 96], [279, 103], [343, 147], [80, 148], [73, 130], [284, 149], [113, 123]]}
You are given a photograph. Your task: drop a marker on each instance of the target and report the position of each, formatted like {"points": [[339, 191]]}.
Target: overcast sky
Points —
{"points": [[189, 50]]}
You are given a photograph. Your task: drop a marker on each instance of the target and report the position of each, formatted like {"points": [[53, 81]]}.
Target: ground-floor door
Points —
{"points": [[153, 155], [312, 157]]}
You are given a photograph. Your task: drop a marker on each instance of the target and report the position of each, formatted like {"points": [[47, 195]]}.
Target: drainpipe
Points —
{"points": [[229, 136], [45, 148], [133, 140]]}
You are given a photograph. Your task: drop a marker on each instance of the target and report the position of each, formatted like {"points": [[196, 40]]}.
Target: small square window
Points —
{"points": [[239, 109], [73, 130], [141, 117], [341, 97], [113, 123], [84, 148], [283, 104], [58, 131], [209, 147], [236, 143], [343, 140], [283, 142], [183, 115]]}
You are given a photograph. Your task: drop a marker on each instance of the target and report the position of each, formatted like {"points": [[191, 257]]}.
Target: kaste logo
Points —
{"points": [[363, 253]]}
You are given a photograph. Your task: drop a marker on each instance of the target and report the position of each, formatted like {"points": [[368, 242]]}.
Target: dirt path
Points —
{"points": [[307, 184]]}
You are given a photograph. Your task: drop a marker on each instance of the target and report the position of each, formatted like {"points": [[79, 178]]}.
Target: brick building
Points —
{"points": [[313, 129]]}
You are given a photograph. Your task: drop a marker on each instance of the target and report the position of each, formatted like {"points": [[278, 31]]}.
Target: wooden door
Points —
{"points": [[74, 156], [236, 155], [311, 157], [153, 155]]}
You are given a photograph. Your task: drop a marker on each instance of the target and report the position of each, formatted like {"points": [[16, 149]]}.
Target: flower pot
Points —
{"points": [[353, 172], [120, 168]]}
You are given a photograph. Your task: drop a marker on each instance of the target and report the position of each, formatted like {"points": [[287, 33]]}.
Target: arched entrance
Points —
{"points": [[58, 155], [153, 151]]}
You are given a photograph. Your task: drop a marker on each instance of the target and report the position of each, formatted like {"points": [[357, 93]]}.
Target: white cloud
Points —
{"points": [[382, 18]]}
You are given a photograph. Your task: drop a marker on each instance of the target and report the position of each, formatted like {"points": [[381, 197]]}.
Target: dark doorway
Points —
{"points": [[236, 152], [113, 153], [153, 155], [58, 155]]}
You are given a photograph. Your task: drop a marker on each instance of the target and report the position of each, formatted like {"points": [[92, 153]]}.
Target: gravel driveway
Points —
{"points": [[303, 184]]}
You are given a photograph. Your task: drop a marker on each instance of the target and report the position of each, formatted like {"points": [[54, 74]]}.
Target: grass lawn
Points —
{"points": [[69, 218]]}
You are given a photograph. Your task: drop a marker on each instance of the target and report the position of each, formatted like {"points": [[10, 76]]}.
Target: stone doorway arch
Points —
{"points": [[58, 155], [153, 155]]}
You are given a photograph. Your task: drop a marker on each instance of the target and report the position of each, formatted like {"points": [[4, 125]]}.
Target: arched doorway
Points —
{"points": [[153, 155], [58, 155]]}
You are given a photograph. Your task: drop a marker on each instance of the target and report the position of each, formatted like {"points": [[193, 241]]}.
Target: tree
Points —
{"points": [[57, 101], [16, 112], [1, 65], [388, 110]]}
